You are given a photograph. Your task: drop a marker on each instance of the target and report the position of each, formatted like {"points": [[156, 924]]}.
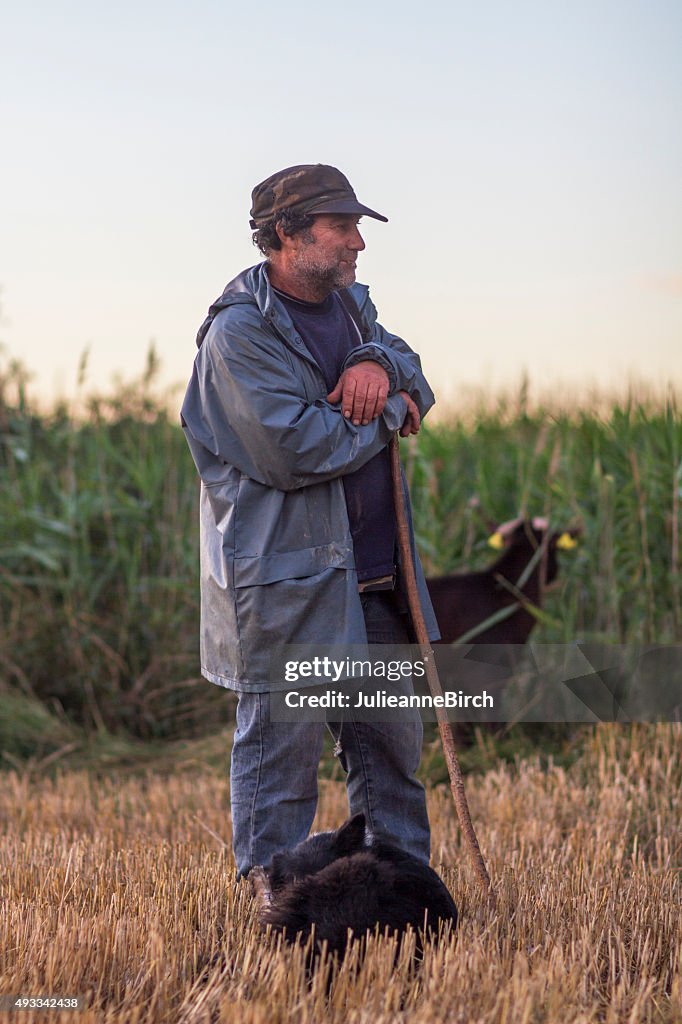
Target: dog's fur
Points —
{"points": [[347, 882]]}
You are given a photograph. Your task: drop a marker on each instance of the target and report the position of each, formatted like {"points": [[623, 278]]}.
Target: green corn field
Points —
{"points": [[98, 537], [116, 876]]}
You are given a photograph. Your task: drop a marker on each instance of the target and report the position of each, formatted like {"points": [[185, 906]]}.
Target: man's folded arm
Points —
{"points": [[246, 406], [403, 366]]}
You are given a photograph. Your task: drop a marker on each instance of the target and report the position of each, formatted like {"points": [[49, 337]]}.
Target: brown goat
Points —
{"points": [[464, 601]]}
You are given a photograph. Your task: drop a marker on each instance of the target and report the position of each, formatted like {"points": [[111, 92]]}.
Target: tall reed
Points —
{"points": [[99, 555]]}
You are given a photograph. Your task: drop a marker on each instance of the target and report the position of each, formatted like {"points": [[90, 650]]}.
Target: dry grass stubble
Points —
{"points": [[118, 891]]}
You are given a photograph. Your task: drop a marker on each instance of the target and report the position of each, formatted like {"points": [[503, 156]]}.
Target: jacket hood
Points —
{"points": [[252, 286]]}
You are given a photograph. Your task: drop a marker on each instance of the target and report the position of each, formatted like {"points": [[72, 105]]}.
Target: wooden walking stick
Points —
{"points": [[444, 725]]}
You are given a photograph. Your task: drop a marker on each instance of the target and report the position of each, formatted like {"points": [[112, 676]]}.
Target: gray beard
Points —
{"points": [[323, 279], [330, 279]]}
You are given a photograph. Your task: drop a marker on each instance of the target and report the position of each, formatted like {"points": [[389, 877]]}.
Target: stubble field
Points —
{"points": [[122, 890]]}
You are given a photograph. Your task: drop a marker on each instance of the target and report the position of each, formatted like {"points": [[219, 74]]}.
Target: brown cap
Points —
{"points": [[310, 188]]}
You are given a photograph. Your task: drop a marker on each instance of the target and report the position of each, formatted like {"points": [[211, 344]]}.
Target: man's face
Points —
{"points": [[326, 253]]}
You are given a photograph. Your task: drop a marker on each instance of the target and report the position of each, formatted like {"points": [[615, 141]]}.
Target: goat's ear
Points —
{"points": [[351, 836], [260, 887]]}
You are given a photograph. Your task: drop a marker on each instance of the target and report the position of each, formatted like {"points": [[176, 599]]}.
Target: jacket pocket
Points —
{"points": [[258, 570], [305, 596]]}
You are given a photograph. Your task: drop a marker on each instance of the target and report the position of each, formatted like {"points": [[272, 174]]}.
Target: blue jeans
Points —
{"points": [[274, 767]]}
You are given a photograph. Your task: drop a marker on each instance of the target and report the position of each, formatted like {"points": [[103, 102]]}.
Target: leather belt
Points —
{"points": [[378, 583]]}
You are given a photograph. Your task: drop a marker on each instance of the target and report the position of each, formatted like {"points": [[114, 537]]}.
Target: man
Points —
{"points": [[295, 394]]}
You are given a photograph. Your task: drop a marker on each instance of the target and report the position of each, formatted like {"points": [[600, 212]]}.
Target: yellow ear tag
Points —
{"points": [[566, 542], [496, 540]]}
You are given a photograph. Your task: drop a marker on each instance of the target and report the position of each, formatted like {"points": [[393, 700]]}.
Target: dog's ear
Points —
{"points": [[350, 838], [260, 887]]}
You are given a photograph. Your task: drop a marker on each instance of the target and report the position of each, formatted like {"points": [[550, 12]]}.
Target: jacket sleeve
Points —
{"points": [[403, 366], [246, 406]]}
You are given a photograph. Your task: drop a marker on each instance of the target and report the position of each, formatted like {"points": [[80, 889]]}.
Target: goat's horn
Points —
{"points": [[506, 529]]}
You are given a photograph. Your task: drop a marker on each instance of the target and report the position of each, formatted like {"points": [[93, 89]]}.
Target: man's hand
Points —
{"points": [[412, 421], [362, 390]]}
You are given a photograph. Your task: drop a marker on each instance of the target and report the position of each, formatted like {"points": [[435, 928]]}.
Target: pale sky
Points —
{"points": [[528, 156]]}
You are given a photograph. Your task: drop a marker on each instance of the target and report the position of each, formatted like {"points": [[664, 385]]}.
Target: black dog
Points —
{"points": [[348, 881]]}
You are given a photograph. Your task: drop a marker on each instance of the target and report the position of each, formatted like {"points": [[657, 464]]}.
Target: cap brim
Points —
{"points": [[346, 206]]}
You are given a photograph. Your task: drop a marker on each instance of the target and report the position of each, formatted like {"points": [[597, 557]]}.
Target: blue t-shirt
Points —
{"points": [[329, 334]]}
